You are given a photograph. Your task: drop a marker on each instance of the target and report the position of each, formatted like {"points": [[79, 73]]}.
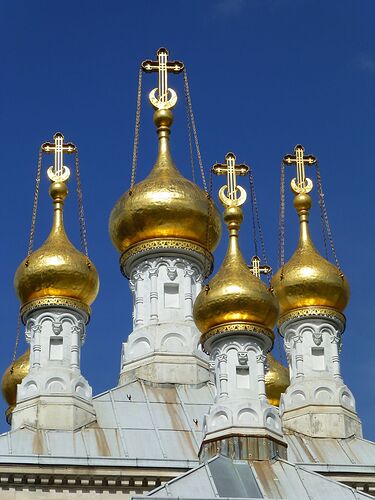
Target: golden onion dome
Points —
{"points": [[234, 298], [13, 376], [277, 380], [165, 205], [308, 280], [57, 269]]}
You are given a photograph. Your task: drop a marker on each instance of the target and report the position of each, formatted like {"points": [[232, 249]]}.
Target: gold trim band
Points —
{"points": [[305, 312], [54, 302], [237, 327], [164, 244]]}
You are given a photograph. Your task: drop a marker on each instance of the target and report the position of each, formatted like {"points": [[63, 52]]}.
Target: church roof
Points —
{"points": [[222, 477], [160, 425], [137, 423]]}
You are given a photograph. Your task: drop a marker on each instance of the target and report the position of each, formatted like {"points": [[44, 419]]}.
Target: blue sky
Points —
{"points": [[264, 76]]}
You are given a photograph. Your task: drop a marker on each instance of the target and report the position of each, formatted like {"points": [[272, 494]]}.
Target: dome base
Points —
{"points": [[48, 302], [165, 245]]}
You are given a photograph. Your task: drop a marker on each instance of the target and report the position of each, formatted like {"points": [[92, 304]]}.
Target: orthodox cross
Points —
{"points": [[163, 67], [301, 184], [257, 269], [58, 172], [231, 194]]}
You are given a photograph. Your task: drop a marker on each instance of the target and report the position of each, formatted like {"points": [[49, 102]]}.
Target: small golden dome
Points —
{"points": [[13, 376], [277, 380], [165, 204], [307, 279], [234, 296], [57, 269]]}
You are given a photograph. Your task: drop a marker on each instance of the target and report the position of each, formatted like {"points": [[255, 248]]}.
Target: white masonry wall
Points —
{"points": [[163, 346], [241, 406], [54, 394], [317, 402]]}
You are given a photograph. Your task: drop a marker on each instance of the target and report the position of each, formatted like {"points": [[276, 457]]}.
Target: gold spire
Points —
{"points": [[57, 273], [13, 376], [165, 209], [234, 299], [308, 283]]}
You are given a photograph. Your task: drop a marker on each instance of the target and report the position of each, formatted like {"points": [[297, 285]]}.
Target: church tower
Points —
{"points": [[313, 294], [236, 313], [165, 229], [56, 285]]}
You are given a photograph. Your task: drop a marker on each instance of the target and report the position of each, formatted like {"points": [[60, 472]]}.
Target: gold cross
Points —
{"points": [[231, 194], [257, 269], [163, 67], [301, 184], [58, 172]]}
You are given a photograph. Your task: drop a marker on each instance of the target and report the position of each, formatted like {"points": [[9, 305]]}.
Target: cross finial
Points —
{"points": [[301, 184], [166, 97], [257, 269], [58, 172], [231, 194]]}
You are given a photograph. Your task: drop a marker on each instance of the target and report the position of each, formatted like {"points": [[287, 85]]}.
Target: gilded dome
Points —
{"points": [[234, 295], [165, 205], [57, 269], [277, 380], [307, 279], [13, 376]]}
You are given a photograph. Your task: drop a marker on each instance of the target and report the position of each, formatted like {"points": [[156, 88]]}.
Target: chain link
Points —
{"points": [[189, 135], [194, 129], [35, 205], [136, 129], [209, 219], [257, 227], [30, 246], [281, 249], [324, 217], [18, 331], [81, 212], [255, 239]]}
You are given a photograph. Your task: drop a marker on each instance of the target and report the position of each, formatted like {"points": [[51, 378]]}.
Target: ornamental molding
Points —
{"points": [[242, 358], [165, 244], [48, 302], [261, 358], [73, 479], [312, 312], [151, 267], [57, 319], [222, 358], [245, 328], [57, 327], [172, 273]]}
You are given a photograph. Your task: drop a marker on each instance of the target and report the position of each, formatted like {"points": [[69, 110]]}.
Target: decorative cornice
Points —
{"points": [[313, 311], [247, 328], [48, 301], [164, 244]]}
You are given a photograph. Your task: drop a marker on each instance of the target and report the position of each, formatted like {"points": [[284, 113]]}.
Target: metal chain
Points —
{"points": [[324, 216], [17, 342], [258, 232], [194, 129], [30, 246], [189, 136], [281, 249], [255, 239], [35, 205], [81, 212], [209, 220], [136, 129], [322, 222]]}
